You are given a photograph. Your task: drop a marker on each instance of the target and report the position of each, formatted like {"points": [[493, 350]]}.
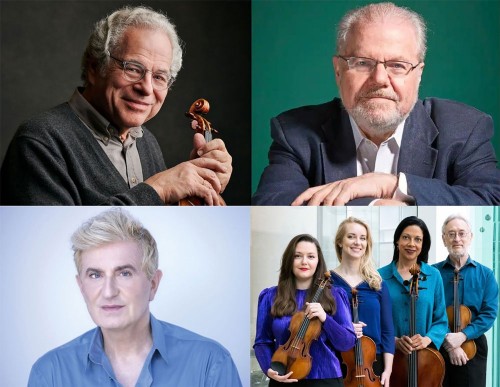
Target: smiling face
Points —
{"points": [[410, 244], [304, 264], [116, 290], [124, 103], [379, 102], [353, 244], [458, 247]]}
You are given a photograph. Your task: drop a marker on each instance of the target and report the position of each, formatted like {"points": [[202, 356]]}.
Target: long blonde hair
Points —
{"points": [[366, 267]]}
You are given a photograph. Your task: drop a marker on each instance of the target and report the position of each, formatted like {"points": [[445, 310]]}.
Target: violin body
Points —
{"points": [[430, 369], [360, 368], [459, 316], [294, 354]]}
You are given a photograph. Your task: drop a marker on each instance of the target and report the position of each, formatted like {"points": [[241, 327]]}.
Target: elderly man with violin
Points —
{"points": [[93, 149], [471, 294]]}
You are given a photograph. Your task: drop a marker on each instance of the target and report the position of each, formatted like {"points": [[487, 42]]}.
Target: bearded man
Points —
{"points": [[379, 143]]}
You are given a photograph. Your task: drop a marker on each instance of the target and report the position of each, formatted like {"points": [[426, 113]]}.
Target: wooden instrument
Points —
{"points": [[459, 316], [199, 108], [424, 367], [359, 360], [294, 354]]}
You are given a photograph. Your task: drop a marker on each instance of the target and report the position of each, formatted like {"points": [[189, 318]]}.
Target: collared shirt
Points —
{"points": [[177, 358], [477, 289], [373, 158], [431, 319], [383, 158], [124, 155]]}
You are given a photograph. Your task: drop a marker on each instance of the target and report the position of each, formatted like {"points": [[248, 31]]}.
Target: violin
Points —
{"points": [[293, 356], [459, 316], [360, 359], [424, 367], [199, 108]]}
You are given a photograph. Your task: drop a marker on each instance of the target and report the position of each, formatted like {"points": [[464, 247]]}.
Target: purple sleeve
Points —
{"points": [[338, 328], [264, 345]]}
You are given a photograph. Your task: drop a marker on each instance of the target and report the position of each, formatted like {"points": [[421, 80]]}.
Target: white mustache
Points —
{"points": [[380, 94]]}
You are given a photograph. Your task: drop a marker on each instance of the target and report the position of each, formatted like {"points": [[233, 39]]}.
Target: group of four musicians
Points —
{"points": [[384, 311]]}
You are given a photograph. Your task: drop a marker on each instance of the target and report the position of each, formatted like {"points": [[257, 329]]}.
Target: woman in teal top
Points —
{"points": [[411, 245]]}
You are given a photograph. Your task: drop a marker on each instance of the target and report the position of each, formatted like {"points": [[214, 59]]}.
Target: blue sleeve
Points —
{"points": [[388, 342], [338, 328], [439, 326], [489, 309], [264, 338], [223, 372]]}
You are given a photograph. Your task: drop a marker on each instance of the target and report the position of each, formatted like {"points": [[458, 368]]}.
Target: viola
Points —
{"points": [[294, 354], [459, 316], [360, 359], [424, 367], [197, 110]]}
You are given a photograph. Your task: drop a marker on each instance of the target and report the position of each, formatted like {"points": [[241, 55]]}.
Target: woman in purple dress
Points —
{"points": [[302, 265]]}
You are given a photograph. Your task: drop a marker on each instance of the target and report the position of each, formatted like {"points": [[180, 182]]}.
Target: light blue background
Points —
{"points": [[204, 256]]}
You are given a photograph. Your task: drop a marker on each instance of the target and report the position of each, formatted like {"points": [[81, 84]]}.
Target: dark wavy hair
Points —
{"points": [[426, 243], [285, 303]]}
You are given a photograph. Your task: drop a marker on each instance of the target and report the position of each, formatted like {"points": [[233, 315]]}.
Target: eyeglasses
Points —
{"points": [[134, 72], [461, 234], [395, 68]]}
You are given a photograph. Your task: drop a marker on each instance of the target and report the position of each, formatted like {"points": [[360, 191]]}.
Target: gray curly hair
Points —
{"points": [[111, 226], [372, 12], [108, 33]]}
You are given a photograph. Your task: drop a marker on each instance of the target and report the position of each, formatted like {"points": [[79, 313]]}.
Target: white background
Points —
{"points": [[204, 256]]}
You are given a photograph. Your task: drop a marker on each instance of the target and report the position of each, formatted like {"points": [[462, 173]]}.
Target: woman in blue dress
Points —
{"points": [[412, 243], [353, 245], [302, 264]]}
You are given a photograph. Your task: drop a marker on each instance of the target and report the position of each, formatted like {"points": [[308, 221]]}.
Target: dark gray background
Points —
{"points": [[41, 47]]}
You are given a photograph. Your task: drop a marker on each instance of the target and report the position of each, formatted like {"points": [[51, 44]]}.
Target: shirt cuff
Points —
{"points": [[402, 193]]}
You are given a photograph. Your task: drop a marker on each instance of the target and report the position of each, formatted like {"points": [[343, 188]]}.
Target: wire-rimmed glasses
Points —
{"points": [[396, 68]]}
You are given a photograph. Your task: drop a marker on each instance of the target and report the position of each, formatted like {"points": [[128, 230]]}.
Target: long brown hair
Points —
{"points": [[285, 303]]}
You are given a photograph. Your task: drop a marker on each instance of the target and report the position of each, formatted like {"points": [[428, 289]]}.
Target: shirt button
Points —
{"points": [[134, 180]]}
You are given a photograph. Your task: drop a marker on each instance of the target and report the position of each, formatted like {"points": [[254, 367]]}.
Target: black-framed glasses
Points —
{"points": [[134, 72], [396, 68]]}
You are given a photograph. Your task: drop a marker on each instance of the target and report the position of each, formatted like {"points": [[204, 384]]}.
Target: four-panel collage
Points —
{"points": [[249, 193]]}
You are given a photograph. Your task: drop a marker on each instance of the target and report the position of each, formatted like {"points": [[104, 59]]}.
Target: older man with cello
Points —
{"points": [[471, 294]]}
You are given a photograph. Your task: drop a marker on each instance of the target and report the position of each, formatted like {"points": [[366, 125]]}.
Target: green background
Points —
{"points": [[293, 43]]}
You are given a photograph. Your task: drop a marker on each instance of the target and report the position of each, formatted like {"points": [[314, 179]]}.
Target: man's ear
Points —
{"points": [[92, 73], [155, 282], [336, 68]]}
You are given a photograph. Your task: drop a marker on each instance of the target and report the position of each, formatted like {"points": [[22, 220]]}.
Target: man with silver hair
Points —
{"points": [[117, 264], [477, 290], [379, 143], [94, 149]]}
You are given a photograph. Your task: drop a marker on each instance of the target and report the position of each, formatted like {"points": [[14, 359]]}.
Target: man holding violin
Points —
{"points": [[94, 150], [476, 289]]}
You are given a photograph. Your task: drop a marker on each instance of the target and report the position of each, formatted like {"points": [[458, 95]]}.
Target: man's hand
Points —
{"points": [[458, 356], [215, 150], [454, 340], [196, 177], [338, 193]]}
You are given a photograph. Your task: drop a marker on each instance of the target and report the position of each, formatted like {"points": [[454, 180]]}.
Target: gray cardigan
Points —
{"points": [[53, 159]]}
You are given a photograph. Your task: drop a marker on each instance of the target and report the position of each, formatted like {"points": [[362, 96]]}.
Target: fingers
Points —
{"points": [[306, 195], [283, 378]]}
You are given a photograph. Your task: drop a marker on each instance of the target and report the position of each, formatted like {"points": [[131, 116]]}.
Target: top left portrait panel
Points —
{"points": [[125, 103]]}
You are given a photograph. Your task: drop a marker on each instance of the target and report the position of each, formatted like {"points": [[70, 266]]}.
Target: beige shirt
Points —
{"points": [[123, 155]]}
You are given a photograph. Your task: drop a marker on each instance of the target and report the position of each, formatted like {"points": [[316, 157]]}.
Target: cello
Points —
{"points": [[359, 360], [459, 316], [197, 110], [293, 356], [424, 367]]}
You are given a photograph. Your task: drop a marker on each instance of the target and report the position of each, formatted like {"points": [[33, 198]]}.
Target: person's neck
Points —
{"points": [[303, 284], [459, 260], [348, 267], [404, 265], [128, 342]]}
